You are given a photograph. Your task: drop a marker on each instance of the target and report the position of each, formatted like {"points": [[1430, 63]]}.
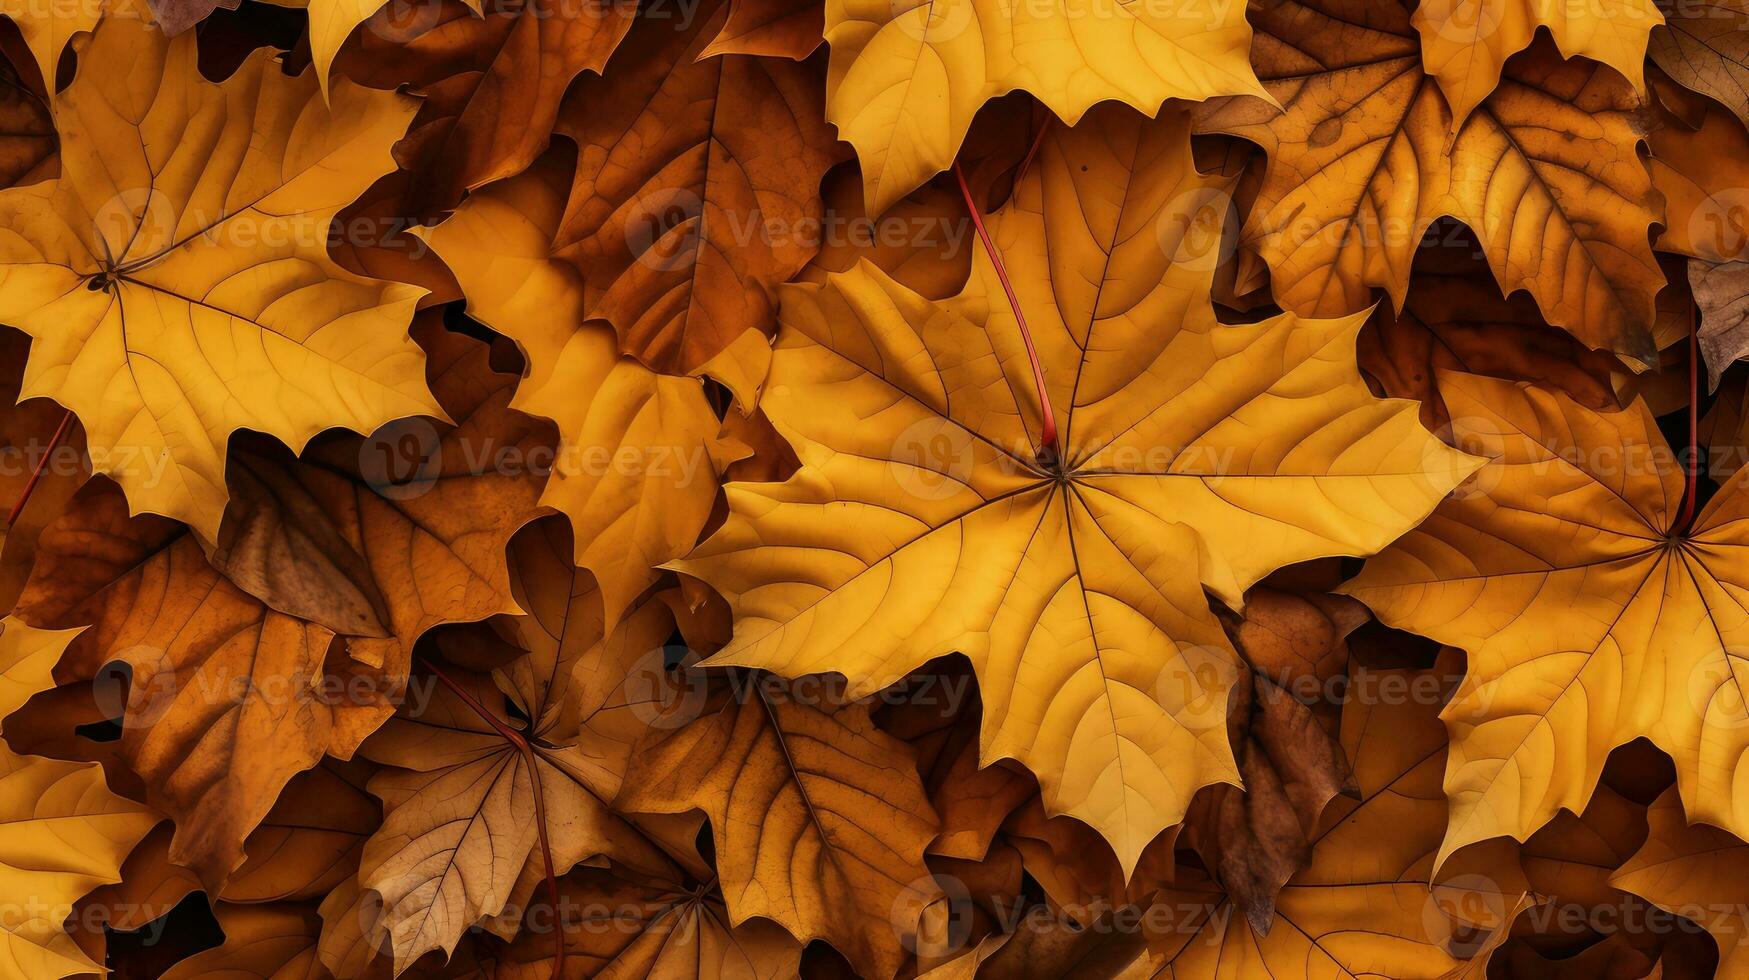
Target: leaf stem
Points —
{"points": [[521, 745], [37, 473], [1693, 460], [1693, 427], [1038, 140], [1048, 451]]}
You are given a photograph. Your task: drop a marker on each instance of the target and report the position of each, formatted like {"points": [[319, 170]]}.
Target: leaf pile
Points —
{"points": [[558, 489]]}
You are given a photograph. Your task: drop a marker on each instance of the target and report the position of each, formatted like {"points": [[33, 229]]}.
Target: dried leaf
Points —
{"points": [[1363, 159]]}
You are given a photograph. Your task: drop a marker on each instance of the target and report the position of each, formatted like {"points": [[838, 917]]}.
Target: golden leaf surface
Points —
{"points": [[1465, 43], [66, 833], [637, 464], [1589, 618], [1365, 155], [1368, 904], [1196, 455], [906, 79], [175, 278]]}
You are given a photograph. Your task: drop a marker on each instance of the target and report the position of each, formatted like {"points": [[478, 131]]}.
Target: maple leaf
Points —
{"points": [[1590, 618], [820, 820], [1363, 159], [66, 833], [226, 700], [636, 466], [472, 816], [663, 925], [907, 79], [1372, 863], [1465, 43], [175, 277], [696, 190], [233, 691], [492, 84], [1195, 455], [1705, 46], [329, 537]]}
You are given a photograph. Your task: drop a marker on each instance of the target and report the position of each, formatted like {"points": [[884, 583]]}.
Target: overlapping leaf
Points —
{"points": [[906, 79], [1705, 46], [638, 457], [696, 190], [1465, 43], [66, 833], [820, 821], [225, 699], [1692, 870], [492, 84], [1590, 617], [175, 277], [1365, 154], [1372, 868], [470, 816]]}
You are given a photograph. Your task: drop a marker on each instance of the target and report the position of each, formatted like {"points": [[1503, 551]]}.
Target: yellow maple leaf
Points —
{"points": [[1589, 616], [66, 833], [1196, 455], [1465, 43], [1363, 158], [175, 278], [906, 78]]}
